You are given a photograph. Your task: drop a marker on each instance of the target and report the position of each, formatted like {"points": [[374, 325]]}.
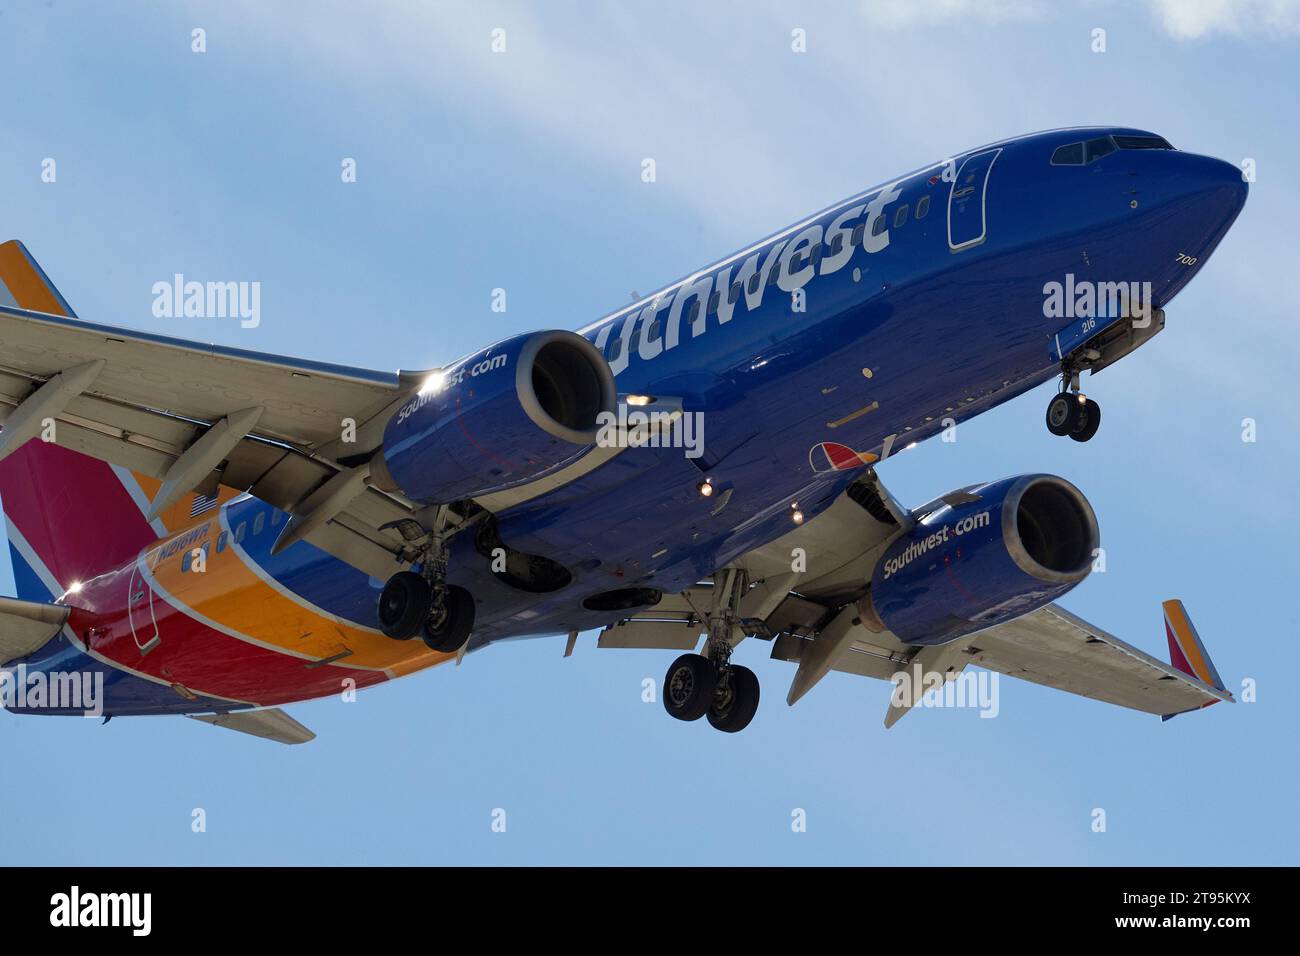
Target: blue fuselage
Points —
{"points": [[873, 324]]}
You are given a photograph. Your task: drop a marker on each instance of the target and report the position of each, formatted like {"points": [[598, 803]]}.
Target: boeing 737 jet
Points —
{"points": [[215, 532]]}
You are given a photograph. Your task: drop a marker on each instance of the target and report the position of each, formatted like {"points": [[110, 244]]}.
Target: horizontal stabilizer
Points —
{"points": [[25, 626], [272, 724]]}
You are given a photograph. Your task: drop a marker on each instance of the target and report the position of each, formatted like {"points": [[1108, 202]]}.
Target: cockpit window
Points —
{"points": [[1071, 155], [1097, 148], [1081, 154], [1142, 142]]}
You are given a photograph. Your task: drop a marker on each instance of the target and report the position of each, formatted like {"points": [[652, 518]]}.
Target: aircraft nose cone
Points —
{"points": [[1228, 183], [1220, 185], [1210, 193]]}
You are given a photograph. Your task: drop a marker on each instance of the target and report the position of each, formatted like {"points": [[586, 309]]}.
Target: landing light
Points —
{"points": [[705, 487], [435, 383], [640, 399], [74, 587]]}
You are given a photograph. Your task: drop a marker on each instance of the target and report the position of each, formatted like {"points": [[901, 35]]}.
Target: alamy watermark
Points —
{"points": [[655, 428], [976, 689], [181, 299], [1085, 299], [21, 689]]}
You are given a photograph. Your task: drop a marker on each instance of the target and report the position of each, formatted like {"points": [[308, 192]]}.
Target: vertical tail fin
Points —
{"points": [[68, 518]]}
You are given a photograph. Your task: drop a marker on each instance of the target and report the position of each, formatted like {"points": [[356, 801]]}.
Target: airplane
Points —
{"points": [[217, 533]]}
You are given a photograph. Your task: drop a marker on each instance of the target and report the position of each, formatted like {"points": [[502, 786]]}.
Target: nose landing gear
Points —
{"points": [[697, 685], [1072, 413]]}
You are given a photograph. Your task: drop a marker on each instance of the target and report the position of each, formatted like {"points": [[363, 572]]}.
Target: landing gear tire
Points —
{"points": [[1089, 421], [689, 686], [404, 605], [733, 709], [449, 630], [1065, 413]]}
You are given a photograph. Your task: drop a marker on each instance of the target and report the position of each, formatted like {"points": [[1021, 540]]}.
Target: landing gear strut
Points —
{"points": [[1072, 413], [423, 602], [697, 685]]}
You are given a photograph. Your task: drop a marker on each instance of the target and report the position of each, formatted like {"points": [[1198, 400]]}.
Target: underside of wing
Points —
{"points": [[1055, 648], [194, 416]]}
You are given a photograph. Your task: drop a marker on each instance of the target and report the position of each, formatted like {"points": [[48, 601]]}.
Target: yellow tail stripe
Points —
{"points": [[1191, 648], [25, 283]]}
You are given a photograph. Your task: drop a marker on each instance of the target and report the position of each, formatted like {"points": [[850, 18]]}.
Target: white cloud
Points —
{"points": [[1193, 19]]}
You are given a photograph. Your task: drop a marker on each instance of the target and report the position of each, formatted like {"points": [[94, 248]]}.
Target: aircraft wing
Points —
{"points": [[1049, 646], [194, 416], [1055, 648]]}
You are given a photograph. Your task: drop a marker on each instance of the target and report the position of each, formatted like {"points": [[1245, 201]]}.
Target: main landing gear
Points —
{"points": [[424, 603], [1072, 413], [699, 685]]}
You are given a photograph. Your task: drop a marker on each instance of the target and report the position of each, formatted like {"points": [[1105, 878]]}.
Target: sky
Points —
{"points": [[521, 170]]}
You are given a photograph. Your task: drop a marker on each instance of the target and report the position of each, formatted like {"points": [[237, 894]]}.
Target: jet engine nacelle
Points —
{"points": [[509, 414], [984, 555]]}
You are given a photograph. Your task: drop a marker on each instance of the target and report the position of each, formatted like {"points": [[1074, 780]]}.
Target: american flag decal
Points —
{"points": [[201, 504]]}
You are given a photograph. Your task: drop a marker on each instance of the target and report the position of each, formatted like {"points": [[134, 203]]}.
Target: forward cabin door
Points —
{"points": [[967, 200]]}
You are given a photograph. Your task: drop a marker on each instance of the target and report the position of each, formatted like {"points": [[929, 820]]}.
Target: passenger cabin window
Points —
{"points": [[754, 280], [922, 207], [858, 231], [694, 313], [239, 532], [275, 518], [222, 540], [260, 521], [1142, 142], [714, 299], [615, 352], [878, 225], [900, 217]]}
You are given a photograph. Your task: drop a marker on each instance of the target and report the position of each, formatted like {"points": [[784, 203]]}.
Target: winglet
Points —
{"points": [[1186, 652], [24, 283]]}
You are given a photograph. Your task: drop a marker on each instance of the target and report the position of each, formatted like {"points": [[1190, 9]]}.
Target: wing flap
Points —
{"points": [[652, 635]]}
